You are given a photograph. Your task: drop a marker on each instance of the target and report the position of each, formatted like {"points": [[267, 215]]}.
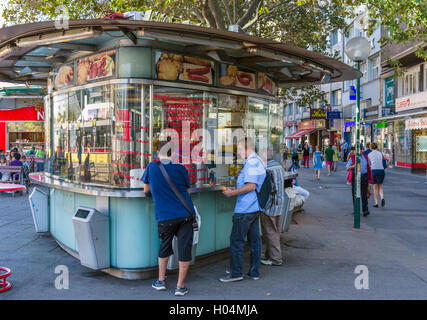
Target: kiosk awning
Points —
{"points": [[298, 134]]}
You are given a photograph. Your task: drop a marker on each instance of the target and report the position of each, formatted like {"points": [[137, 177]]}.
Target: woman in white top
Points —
{"points": [[376, 159]]}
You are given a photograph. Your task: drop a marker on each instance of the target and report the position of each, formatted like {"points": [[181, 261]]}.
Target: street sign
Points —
{"points": [[352, 92], [333, 115]]}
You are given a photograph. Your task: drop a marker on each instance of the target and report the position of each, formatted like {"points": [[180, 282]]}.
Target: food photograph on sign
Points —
{"points": [[265, 83], [175, 67], [231, 76], [96, 67], [64, 76]]}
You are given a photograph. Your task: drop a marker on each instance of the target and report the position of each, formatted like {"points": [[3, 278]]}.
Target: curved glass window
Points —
{"points": [[107, 135]]}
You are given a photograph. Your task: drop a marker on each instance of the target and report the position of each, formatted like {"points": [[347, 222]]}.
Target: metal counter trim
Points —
{"points": [[51, 182]]}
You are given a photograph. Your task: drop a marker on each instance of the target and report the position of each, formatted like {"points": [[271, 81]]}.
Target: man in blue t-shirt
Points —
{"points": [[172, 216], [246, 213]]}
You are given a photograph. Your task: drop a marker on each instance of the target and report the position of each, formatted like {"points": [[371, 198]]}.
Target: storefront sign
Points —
{"points": [[333, 115], [95, 67], [317, 114], [389, 92], [417, 123], [25, 126], [320, 124], [231, 76], [381, 125], [23, 114], [418, 100], [305, 125]]}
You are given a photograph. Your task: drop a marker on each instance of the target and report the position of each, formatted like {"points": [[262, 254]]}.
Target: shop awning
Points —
{"points": [[298, 134]]}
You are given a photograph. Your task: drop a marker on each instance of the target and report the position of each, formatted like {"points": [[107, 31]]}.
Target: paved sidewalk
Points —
{"points": [[321, 251]]}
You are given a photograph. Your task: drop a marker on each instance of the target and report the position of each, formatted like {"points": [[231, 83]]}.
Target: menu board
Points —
{"points": [[95, 67], [185, 115], [175, 67], [232, 76], [64, 76], [265, 83], [28, 126]]}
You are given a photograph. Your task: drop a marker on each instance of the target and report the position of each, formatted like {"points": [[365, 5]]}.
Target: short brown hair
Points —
{"points": [[374, 146]]}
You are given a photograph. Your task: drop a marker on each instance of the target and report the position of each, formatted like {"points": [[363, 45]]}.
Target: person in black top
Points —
{"points": [[306, 156]]}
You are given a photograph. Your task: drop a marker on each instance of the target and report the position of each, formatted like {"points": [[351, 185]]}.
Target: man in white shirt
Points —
{"points": [[377, 166]]}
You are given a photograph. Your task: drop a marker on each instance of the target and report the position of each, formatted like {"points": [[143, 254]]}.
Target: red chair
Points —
{"points": [[4, 273]]}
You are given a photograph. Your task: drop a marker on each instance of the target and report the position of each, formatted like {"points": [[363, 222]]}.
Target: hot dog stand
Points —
{"points": [[114, 86]]}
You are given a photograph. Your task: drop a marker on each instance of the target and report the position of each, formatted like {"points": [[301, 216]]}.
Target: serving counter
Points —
{"points": [[134, 240]]}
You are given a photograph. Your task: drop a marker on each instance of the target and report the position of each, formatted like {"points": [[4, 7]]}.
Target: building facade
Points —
{"points": [[403, 129]]}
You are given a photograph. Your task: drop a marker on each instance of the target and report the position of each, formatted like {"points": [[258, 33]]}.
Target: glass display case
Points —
{"points": [[107, 134]]}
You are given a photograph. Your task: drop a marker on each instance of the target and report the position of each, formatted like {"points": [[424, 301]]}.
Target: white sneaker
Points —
{"points": [[266, 262]]}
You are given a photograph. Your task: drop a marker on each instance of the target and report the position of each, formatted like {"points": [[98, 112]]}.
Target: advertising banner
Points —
{"points": [[176, 67], [64, 76], [95, 67], [231, 76], [389, 92], [265, 83]]}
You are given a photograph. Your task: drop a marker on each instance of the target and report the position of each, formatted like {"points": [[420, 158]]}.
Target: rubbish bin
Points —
{"points": [[39, 209], [289, 206], [173, 262], [92, 230]]}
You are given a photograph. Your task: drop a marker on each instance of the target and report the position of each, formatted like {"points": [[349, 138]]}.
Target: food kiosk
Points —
{"points": [[116, 86], [22, 128]]}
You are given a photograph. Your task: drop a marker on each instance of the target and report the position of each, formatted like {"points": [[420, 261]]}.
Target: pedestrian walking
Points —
{"points": [[294, 157], [172, 216], [317, 162], [345, 149], [376, 159], [285, 156], [306, 156], [335, 159], [365, 179], [329, 155], [246, 213], [311, 149], [271, 218], [368, 149]]}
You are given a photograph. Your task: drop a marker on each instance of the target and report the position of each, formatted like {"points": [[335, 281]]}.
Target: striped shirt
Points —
{"points": [[275, 204]]}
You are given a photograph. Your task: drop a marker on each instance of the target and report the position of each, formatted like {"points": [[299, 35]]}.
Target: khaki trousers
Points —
{"points": [[271, 228]]}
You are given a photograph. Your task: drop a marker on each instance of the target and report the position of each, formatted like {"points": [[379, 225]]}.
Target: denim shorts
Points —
{"points": [[378, 176], [182, 228]]}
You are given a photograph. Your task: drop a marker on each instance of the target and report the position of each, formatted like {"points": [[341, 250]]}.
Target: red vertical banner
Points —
{"points": [[3, 136]]}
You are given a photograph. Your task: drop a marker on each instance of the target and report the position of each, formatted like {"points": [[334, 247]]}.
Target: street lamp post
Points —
{"points": [[357, 50]]}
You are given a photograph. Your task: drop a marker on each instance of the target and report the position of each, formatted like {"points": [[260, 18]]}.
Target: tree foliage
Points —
{"points": [[304, 23]]}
